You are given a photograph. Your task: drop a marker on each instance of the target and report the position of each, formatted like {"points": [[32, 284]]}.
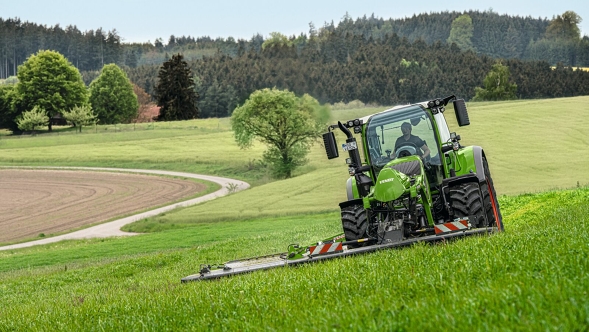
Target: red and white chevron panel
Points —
{"points": [[454, 226], [326, 248]]}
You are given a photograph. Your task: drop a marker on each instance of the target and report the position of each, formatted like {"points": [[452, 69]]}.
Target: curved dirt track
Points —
{"points": [[40, 199]]}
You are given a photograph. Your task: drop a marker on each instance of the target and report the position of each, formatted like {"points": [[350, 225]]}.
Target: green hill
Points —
{"points": [[532, 277]]}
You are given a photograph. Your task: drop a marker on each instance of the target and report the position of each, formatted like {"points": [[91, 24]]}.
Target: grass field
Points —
{"points": [[532, 277]]}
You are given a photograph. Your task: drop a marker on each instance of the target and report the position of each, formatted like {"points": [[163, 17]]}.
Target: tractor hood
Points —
{"points": [[390, 185]]}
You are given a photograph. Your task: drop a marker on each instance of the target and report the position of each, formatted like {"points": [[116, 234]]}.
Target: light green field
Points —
{"points": [[532, 277], [530, 144]]}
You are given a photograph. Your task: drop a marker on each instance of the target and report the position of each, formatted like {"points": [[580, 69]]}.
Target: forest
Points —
{"points": [[371, 59]]}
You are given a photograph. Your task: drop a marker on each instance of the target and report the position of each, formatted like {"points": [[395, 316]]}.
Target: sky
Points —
{"points": [[147, 20]]}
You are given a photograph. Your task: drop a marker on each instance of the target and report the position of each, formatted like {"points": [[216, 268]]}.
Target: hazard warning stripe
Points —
{"points": [[326, 248], [451, 226]]}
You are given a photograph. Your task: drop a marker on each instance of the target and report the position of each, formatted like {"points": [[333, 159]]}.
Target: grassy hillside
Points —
{"points": [[532, 277], [530, 145]]}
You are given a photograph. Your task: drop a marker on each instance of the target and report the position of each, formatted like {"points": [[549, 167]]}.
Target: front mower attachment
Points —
{"points": [[321, 251]]}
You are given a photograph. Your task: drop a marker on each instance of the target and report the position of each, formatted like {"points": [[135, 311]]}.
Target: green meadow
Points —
{"points": [[532, 277]]}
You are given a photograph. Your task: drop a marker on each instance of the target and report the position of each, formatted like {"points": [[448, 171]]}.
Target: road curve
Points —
{"points": [[113, 228]]}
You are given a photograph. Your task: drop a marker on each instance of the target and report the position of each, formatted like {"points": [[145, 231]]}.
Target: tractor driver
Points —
{"points": [[407, 139]]}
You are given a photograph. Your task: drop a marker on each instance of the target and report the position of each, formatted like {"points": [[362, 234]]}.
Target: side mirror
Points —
{"points": [[330, 145], [461, 113]]}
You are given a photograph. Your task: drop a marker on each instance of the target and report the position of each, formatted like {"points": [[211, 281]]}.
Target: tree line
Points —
{"points": [[345, 68], [495, 35], [368, 59]]}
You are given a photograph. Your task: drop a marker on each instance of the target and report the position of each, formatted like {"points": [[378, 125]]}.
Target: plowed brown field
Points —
{"points": [[53, 201]]}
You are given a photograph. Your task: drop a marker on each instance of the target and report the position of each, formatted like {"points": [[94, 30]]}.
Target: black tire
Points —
{"points": [[466, 202], [492, 210], [354, 222]]}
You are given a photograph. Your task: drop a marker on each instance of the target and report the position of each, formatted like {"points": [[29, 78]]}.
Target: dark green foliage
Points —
{"points": [[112, 96], [359, 60], [175, 92], [217, 101], [354, 59], [7, 112], [562, 42], [88, 50]]}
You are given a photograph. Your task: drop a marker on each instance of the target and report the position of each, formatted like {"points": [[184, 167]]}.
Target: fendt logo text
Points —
{"points": [[386, 180]]}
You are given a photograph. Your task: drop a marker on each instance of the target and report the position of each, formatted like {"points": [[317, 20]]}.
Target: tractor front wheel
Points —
{"points": [[466, 202], [354, 222]]}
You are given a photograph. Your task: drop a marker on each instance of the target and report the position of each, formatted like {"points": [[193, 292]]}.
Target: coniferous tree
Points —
{"points": [[175, 92]]}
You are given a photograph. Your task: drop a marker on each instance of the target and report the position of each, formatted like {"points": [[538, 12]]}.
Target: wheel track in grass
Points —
{"points": [[112, 228]]}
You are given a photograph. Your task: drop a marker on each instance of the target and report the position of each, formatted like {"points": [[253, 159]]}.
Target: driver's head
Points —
{"points": [[406, 128]]}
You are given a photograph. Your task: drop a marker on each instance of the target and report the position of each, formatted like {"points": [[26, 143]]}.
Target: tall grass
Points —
{"points": [[533, 277]]}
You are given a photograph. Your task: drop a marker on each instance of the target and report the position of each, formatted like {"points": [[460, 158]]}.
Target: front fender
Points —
{"points": [[352, 189], [470, 160]]}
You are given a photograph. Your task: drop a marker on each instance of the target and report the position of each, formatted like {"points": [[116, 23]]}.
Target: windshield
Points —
{"points": [[400, 133]]}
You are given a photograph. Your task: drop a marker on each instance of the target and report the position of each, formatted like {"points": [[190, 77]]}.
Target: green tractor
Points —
{"points": [[416, 179], [416, 184]]}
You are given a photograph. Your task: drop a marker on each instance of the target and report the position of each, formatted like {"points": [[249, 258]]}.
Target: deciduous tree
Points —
{"points": [[288, 125], [497, 85], [52, 83], [112, 96], [80, 116], [565, 26], [146, 106], [7, 113], [461, 32], [30, 120]]}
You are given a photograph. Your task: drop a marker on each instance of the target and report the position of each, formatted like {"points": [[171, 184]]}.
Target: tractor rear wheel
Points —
{"points": [[354, 222], [466, 202], [490, 202]]}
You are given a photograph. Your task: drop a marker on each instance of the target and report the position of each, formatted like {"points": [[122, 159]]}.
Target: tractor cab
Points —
{"points": [[400, 133]]}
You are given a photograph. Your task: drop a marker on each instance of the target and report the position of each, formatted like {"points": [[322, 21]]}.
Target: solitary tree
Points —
{"points": [[80, 116], [175, 92], [30, 120], [565, 26], [461, 32], [277, 40], [112, 96], [52, 83], [497, 86], [288, 125]]}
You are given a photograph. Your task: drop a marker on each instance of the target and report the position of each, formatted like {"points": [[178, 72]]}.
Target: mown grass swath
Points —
{"points": [[532, 277]]}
